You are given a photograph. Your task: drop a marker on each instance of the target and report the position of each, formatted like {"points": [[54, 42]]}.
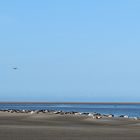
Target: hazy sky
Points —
{"points": [[70, 50]]}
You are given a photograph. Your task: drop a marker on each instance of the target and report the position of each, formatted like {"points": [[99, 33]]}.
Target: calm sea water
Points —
{"points": [[132, 110]]}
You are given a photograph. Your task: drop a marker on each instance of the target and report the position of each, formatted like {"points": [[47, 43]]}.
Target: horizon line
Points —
{"points": [[30, 102]]}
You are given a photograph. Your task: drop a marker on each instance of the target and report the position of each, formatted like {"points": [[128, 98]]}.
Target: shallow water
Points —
{"points": [[132, 110]]}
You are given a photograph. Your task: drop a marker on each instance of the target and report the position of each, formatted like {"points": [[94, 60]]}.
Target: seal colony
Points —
{"points": [[92, 115]]}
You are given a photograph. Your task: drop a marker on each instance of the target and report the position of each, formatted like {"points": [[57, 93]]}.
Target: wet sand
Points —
{"points": [[21, 126]]}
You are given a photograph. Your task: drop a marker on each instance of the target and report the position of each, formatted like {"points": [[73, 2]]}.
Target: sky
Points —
{"points": [[70, 50]]}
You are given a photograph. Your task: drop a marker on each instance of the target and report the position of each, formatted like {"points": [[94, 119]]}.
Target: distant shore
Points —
{"points": [[69, 102]]}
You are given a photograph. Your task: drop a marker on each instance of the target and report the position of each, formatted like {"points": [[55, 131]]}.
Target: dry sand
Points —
{"points": [[20, 126]]}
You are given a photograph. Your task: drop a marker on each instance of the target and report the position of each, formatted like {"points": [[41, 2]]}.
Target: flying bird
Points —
{"points": [[15, 68]]}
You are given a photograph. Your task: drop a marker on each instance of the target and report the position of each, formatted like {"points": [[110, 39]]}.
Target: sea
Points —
{"points": [[132, 110]]}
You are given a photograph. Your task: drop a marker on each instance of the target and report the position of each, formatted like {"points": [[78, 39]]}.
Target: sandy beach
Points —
{"points": [[22, 126]]}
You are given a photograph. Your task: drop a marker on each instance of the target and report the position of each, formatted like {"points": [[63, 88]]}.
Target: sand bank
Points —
{"points": [[21, 126]]}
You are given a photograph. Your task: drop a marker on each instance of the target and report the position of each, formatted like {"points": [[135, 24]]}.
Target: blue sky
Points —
{"points": [[74, 50]]}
